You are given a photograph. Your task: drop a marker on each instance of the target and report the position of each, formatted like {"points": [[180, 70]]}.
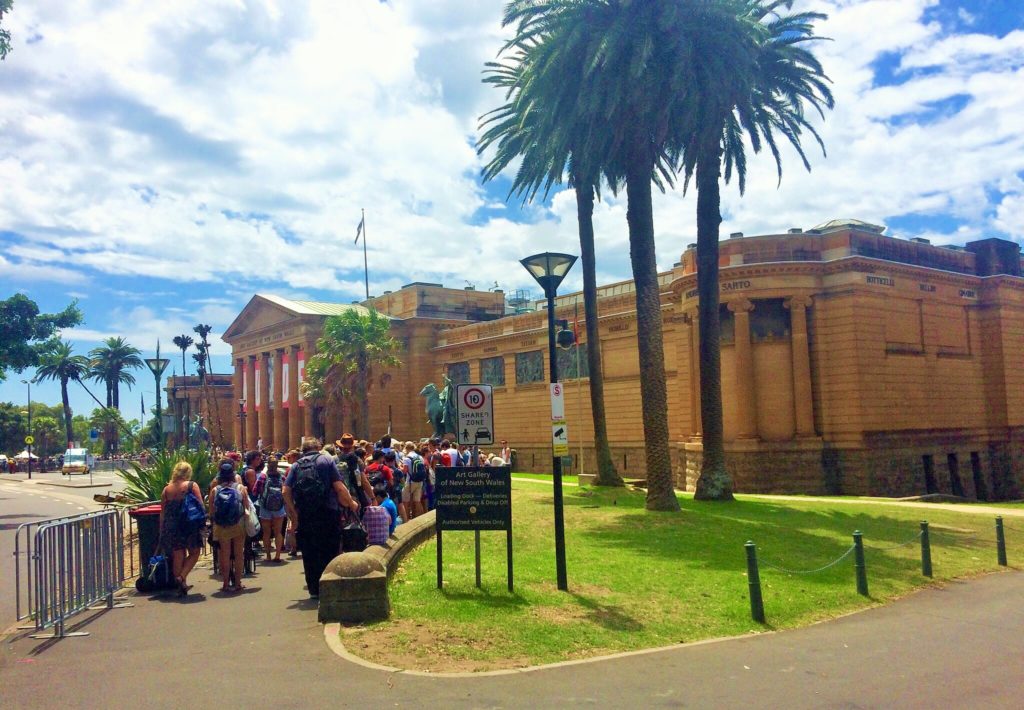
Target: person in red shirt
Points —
{"points": [[378, 471]]}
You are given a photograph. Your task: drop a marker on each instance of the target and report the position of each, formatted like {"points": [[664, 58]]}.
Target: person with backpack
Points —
{"points": [[229, 503], [412, 495], [314, 495], [398, 480], [270, 505], [182, 519], [378, 471]]}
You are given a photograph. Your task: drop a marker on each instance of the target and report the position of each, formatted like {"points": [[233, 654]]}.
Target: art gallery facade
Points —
{"points": [[852, 362]]}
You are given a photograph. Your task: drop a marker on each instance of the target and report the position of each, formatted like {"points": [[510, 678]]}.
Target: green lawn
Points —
{"points": [[639, 579]]}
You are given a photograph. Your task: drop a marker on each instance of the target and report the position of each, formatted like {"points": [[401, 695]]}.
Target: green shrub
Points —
{"points": [[146, 484]]}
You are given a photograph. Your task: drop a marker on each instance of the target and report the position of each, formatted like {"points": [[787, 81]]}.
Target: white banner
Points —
{"points": [[285, 384]]}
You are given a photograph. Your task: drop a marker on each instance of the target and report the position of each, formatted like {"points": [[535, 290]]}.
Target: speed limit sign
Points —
{"points": [[474, 405]]}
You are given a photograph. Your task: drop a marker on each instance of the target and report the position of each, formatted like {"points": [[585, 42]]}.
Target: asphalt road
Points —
{"points": [[24, 502], [959, 646]]}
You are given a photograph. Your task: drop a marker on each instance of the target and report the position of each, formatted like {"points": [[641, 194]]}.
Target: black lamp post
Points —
{"points": [[157, 365], [241, 422], [549, 269]]}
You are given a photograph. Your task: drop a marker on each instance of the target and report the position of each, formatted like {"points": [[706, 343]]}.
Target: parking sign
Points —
{"points": [[474, 405]]}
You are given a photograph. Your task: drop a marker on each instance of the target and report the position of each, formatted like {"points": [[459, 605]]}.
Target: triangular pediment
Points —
{"points": [[259, 313]]}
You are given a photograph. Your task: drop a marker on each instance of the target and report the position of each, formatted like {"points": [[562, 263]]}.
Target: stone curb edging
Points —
{"points": [[354, 587], [332, 637]]}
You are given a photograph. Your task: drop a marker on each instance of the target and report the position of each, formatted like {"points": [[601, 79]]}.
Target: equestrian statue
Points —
{"points": [[441, 413]]}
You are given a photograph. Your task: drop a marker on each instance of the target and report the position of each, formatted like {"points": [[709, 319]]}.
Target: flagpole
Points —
{"points": [[579, 379], [366, 267]]}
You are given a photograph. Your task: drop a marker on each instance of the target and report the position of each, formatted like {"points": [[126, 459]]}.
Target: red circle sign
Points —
{"points": [[474, 398]]}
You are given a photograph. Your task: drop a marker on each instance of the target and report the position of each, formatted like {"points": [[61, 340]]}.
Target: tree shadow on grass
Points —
{"points": [[609, 616]]}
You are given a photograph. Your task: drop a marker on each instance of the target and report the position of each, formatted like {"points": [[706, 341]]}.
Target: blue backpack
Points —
{"points": [[227, 506]]}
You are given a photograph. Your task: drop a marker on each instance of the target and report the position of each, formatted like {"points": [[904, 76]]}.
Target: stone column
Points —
{"points": [[266, 415], [746, 397], [694, 331], [803, 401], [307, 414], [294, 411], [280, 413], [236, 380], [252, 424]]}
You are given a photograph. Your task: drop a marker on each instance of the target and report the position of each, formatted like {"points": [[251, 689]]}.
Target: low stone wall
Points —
{"points": [[354, 587]]}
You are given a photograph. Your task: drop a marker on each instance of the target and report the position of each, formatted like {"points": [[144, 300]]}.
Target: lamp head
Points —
{"points": [[157, 365], [548, 269]]}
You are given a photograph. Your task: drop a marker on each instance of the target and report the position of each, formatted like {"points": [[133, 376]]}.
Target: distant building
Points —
{"points": [[852, 362], [214, 400]]}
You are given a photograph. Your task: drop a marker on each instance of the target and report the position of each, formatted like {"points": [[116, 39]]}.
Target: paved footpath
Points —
{"points": [[957, 646]]}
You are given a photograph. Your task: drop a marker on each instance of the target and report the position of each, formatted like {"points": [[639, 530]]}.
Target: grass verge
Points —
{"points": [[639, 579]]}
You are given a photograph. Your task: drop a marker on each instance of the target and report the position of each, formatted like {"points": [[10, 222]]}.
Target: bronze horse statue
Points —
{"points": [[440, 407]]}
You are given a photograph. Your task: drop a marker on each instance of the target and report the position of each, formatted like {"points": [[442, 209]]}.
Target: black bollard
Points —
{"points": [[1000, 541], [926, 550], [859, 566], [754, 583]]}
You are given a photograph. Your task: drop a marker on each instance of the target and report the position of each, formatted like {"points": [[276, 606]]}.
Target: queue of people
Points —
{"points": [[313, 502]]}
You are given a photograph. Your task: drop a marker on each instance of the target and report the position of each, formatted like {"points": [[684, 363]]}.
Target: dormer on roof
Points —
{"points": [[837, 225]]}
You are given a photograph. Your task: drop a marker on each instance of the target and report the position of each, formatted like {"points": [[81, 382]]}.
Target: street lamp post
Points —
{"points": [[548, 269], [157, 365], [28, 384], [241, 421]]}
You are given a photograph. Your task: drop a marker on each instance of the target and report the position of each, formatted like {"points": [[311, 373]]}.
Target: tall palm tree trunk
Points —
{"points": [[606, 473], [653, 393], [714, 482], [68, 432]]}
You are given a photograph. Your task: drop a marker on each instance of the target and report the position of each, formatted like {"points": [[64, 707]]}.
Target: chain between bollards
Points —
{"points": [[926, 550], [1000, 541], [859, 566], [754, 583]]}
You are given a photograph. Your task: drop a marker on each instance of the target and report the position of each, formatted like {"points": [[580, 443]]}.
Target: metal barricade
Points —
{"points": [[76, 563]]}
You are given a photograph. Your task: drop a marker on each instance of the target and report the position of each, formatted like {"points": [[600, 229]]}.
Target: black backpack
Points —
{"points": [[272, 497], [309, 489], [419, 470]]}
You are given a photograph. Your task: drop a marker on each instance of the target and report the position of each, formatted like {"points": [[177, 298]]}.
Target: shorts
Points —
{"points": [[270, 515], [413, 491], [223, 533]]}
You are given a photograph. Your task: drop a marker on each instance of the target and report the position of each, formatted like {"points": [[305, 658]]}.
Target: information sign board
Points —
{"points": [[557, 401], [474, 497], [474, 405], [560, 438]]}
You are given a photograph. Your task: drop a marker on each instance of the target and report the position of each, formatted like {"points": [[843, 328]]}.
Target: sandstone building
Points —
{"points": [[852, 362]]}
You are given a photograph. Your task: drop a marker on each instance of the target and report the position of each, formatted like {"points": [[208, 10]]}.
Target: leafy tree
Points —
{"points": [[354, 347], [146, 483], [5, 35], [48, 436], [13, 427], [26, 334], [59, 364]]}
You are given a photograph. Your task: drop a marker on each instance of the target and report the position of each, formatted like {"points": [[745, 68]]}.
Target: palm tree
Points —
{"points": [[109, 363], [752, 88], [519, 129], [689, 78], [353, 346], [204, 331], [60, 365], [608, 57], [184, 342]]}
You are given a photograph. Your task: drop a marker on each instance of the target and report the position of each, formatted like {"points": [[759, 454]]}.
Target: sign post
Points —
{"points": [[474, 498]]}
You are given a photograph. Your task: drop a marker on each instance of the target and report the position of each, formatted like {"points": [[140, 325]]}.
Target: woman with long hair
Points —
{"points": [[178, 537]]}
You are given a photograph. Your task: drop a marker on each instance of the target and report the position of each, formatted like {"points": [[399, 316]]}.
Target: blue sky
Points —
{"points": [[162, 162]]}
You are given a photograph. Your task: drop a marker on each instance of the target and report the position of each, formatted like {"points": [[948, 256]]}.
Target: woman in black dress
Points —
{"points": [[184, 545]]}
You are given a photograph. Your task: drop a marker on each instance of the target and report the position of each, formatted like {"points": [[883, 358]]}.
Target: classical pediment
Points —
{"points": [[258, 314]]}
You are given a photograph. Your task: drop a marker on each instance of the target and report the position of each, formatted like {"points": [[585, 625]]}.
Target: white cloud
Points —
{"points": [[203, 140]]}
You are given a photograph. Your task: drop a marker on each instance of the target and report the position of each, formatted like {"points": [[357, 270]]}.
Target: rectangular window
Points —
{"points": [[980, 489], [458, 372], [529, 367], [955, 485], [567, 362], [492, 371], [930, 486], [769, 320]]}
